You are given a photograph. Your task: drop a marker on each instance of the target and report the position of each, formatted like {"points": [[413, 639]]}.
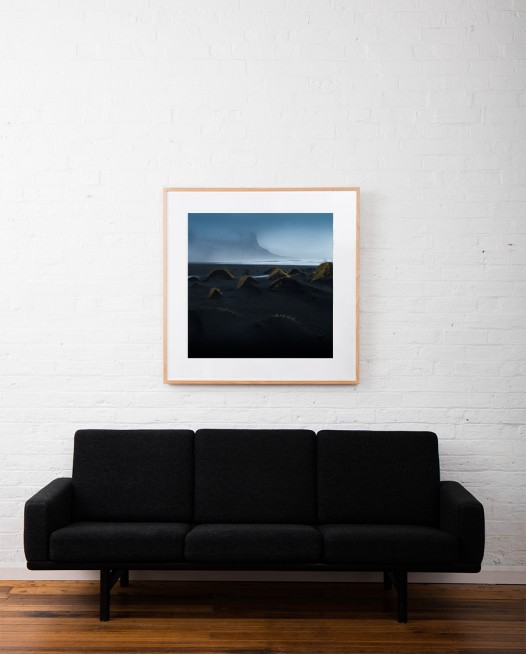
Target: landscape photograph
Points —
{"points": [[260, 285]]}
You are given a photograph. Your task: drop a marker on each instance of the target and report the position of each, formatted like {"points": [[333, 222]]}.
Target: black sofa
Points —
{"points": [[254, 500]]}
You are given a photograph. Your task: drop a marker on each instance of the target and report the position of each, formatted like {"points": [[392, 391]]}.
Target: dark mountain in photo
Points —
{"points": [[238, 248]]}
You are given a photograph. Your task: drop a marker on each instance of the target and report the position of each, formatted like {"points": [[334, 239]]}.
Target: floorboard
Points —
{"points": [[51, 617]]}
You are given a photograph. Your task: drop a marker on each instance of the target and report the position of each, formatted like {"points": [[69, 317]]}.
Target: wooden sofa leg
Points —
{"points": [[105, 590]]}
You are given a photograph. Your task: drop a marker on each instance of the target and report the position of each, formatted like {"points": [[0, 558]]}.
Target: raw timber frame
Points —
{"points": [[178, 369]]}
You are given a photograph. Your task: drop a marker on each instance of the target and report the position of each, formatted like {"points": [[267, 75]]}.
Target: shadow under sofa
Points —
{"points": [[227, 499]]}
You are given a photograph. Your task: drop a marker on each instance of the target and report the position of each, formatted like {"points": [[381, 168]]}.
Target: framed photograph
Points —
{"points": [[261, 285]]}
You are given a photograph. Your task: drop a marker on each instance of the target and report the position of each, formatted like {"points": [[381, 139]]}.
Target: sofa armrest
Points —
{"points": [[47, 510], [462, 515]]}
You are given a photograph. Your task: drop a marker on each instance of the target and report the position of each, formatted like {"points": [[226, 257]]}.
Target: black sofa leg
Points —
{"points": [[105, 590], [125, 578], [401, 587], [108, 579], [398, 579]]}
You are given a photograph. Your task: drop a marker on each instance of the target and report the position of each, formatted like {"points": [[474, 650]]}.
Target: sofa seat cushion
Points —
{"points": [[119, 541], [253, 543], [383, 544]]}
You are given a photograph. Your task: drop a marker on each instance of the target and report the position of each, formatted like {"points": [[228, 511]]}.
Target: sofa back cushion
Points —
{"points": [[375, 477], [133, 475], [255, 476]]}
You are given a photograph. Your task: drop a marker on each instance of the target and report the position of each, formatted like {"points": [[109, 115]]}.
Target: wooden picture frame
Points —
{"points": [[250, 293]]}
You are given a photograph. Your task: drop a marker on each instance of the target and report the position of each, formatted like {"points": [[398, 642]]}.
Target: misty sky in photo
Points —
{"points": [[237, 237]]}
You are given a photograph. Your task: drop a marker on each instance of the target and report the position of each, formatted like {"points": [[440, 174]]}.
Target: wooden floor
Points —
{"points": [[248, 617]]}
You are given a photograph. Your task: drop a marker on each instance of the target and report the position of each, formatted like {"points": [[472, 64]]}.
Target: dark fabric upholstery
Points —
{"points": [[249, 476], [254, 543], [381, 544], [462, 514], [133, 475], [119, 541], [47, 510], [372, 477]]}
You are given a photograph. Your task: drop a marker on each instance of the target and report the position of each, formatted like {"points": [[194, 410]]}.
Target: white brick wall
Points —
{"points": [[418, 102]]}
